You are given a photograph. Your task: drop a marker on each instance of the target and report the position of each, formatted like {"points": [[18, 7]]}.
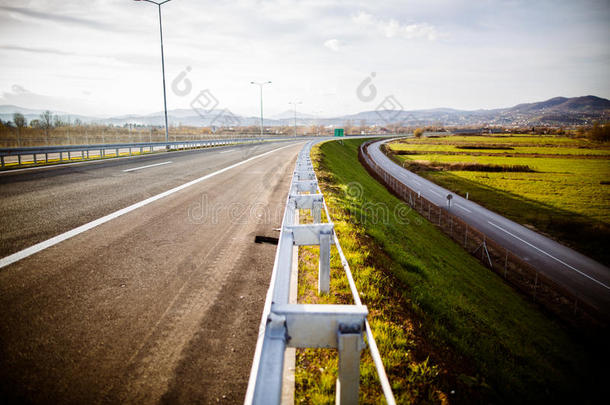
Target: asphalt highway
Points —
{"points": [[585, 278], [158, 304]]}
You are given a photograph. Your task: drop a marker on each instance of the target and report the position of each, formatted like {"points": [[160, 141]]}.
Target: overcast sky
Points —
{"points": [[102, 57]]}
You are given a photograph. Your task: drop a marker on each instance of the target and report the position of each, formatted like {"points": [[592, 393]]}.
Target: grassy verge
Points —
{"points": [[448, 329]]}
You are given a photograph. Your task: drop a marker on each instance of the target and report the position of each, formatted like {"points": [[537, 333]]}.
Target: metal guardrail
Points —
{"points": [[284, 325], [85, 150]]}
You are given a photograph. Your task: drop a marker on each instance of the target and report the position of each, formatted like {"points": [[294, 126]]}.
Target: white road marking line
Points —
{"points": [[227, 151], [147, 166], [434, 192], [464, 208], [549, 255], [83, 228]]}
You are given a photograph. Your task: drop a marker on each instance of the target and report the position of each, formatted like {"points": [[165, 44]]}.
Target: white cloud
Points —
{"points": [[334, 44], [393, 29]]}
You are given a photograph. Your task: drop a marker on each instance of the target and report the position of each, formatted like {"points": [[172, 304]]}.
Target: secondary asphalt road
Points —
{"points": [[162, 303], [585, 278]]}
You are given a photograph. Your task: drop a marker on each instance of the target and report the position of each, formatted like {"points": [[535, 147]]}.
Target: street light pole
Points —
{"points": [[162, 67], [295, 114], [260, 85]]}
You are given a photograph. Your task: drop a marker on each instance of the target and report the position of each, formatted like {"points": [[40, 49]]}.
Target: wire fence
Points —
{"points": [[515, 271]]}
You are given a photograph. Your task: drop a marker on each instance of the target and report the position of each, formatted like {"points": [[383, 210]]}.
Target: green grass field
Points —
{"points": [[509, 139], [449, 330], [514, 150], [566, 197]]}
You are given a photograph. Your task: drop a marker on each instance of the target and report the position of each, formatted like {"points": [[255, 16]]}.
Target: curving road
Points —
{"points": [[585, 278], [161, 301]]}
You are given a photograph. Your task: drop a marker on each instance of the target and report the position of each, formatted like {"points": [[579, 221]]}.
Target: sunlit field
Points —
{"points": [[565, 192]]}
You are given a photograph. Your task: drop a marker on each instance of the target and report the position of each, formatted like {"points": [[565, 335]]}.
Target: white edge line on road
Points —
{"points": [[147, 166], [15, 257], [464, 208], [434, 192], [227, 151], [549, 255]]}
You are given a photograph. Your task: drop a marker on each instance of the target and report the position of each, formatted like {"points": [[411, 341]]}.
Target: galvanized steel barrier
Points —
{"points": [[283, 325], [83, 152]]}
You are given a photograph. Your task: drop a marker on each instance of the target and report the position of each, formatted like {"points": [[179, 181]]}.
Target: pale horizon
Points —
{"points": [[102, 58]]}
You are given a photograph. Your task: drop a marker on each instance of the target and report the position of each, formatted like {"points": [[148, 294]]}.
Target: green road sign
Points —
{"points": [[339, 132]]}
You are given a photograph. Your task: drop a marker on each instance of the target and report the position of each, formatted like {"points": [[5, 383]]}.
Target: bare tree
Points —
{"points": [[20, 122], [46, 123]]}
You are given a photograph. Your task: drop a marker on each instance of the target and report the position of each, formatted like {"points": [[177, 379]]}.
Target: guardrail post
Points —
{"points": [[349, 344], [82, 154], [316, 211], [19, 159], [46, 158], [2, 160], [324, 264], [61, 156]]}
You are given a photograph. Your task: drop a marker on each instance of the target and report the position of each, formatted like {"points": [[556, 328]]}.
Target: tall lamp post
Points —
{"points": [[159, 4], [295, 103], [260, 85]]}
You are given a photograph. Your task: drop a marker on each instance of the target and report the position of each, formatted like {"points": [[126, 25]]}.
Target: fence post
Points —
{"points": [[439, 216], [466, 236], [506, 263]]}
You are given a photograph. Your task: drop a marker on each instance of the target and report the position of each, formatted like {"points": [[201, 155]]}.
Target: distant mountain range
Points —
{"points": [[558, 111]]}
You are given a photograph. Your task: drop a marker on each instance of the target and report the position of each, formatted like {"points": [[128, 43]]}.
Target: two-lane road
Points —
{"points": [[161, 303], [585, 278]]}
